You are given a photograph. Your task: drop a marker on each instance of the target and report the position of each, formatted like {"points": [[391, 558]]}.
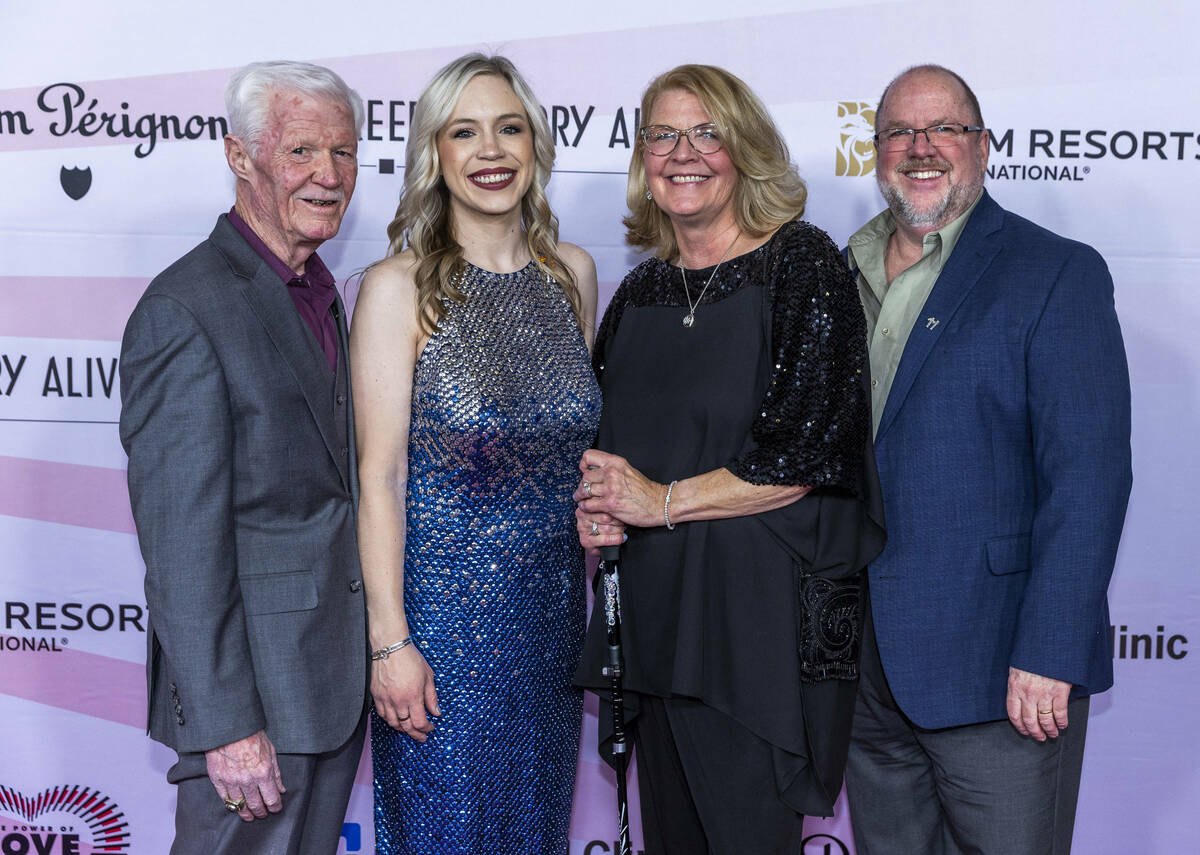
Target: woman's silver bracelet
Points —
{"points": [[667, 506], [385, 652]]}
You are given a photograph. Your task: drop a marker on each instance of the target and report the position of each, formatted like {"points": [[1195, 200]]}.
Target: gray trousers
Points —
{"points": [[314, 806], [980, 789]]}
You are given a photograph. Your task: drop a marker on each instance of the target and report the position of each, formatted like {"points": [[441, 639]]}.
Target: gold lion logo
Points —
{"points": [[856, 149]]}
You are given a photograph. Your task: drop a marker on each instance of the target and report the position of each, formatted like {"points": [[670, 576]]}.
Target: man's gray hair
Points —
{"points": [[246, 95]]}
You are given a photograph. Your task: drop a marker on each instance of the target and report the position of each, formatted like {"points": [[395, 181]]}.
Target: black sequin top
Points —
{"points": [[814, 417], [757, 616]]}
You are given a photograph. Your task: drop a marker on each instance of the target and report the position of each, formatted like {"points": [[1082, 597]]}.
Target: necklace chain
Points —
{"points": [[690, 317]]}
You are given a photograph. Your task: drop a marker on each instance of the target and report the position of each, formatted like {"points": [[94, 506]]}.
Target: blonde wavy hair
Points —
{"points": [[423, 222], [769, 191]]}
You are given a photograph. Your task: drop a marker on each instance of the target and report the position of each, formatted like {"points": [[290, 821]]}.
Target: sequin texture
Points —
{"points": [[810, 426], [504, 403]]}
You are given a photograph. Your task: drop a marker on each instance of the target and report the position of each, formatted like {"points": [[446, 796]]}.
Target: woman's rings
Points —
{"points": [[587, 488], [595, 529]]}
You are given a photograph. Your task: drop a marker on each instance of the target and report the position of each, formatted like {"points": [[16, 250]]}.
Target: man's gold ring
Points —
{"points": [[1046, 712], [234, 807]]}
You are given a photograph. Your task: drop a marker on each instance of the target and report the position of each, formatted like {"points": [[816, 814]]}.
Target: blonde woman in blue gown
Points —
{"points": [[474, 399]]}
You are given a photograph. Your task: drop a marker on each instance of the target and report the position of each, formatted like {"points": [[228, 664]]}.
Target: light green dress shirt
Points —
{"points": [[893, 309]]}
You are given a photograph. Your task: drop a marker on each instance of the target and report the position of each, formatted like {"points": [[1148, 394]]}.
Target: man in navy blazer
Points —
{"points": [[237, 418], [1001, 399]]}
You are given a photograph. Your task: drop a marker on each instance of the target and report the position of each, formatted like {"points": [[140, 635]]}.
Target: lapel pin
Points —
{"points": [[930, 323]]}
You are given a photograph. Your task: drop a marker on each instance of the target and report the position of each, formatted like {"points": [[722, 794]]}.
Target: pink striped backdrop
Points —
{"points": [[72, 641]]}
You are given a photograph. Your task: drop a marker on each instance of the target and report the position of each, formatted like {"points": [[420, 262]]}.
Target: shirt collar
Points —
{"points": [[880, 227], [884, 223], [316, 274]]}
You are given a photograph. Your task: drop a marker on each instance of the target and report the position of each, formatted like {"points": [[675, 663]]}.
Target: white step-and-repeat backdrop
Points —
{"points": [[110, 153]]}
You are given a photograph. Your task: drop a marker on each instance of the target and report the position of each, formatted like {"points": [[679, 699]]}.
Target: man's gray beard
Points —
{"points": [[957, 200]]}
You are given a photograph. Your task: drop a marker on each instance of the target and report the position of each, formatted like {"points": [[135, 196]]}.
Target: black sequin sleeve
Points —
{"points": [[814, 419]]}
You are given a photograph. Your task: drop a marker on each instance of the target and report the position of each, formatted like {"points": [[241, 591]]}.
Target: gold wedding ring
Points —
{"points": [[1046, 712]]}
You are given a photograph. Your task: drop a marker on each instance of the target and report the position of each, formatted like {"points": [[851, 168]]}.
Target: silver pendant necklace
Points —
{"points": [[690, 317]]}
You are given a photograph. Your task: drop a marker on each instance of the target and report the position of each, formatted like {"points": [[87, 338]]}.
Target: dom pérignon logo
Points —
{"points": [[856, 139], [75, 181], [61, 821]]}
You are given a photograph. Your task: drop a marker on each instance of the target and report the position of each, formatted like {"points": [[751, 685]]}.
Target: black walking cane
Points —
{"points": [[610, 559]]}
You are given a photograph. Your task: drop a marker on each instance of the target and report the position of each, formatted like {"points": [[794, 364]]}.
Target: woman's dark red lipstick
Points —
{"points": [[493, 179]]}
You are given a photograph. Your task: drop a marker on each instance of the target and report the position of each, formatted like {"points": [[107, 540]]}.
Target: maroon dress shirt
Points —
{"points": [[314, 293]]}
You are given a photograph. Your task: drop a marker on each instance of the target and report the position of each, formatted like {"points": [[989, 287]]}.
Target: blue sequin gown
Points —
{"points": [[504, 403]]}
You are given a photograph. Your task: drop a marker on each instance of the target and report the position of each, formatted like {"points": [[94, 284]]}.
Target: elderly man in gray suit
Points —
{"points": [[237, 419]]}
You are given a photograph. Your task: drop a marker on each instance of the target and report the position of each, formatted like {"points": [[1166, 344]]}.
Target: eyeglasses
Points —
{"points": [[939, 136], [661, 140]]}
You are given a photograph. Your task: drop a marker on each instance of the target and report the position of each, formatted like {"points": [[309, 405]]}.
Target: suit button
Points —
{"points": [[179, 719], [341, 399], [355, 586], [173, 688]]}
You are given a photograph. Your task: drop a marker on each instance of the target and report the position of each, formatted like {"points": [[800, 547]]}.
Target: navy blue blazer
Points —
{"points": [[1003, 452]]}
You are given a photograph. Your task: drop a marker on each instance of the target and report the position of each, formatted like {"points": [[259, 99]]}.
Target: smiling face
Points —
{"points": [[486, 151], [295, 189], [690, 188], [928, 187]]}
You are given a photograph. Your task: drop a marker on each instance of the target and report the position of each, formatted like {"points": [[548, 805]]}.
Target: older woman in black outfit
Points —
{"points": [[734, 451]]}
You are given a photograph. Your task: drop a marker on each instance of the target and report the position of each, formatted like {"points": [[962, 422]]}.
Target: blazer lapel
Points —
{"points": [[971, 256], [273, 306]]}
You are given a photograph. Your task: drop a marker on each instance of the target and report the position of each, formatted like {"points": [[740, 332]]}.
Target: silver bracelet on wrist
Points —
{"points": [[385, 652], [667, 506]]}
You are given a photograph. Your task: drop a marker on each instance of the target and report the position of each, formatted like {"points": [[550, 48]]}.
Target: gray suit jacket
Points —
{"points": [[243, 485]]}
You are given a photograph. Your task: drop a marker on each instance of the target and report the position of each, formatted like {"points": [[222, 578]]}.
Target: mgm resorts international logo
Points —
{"points": [[63, 820], [856, 138], [33, 627], [1040, 154]]}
